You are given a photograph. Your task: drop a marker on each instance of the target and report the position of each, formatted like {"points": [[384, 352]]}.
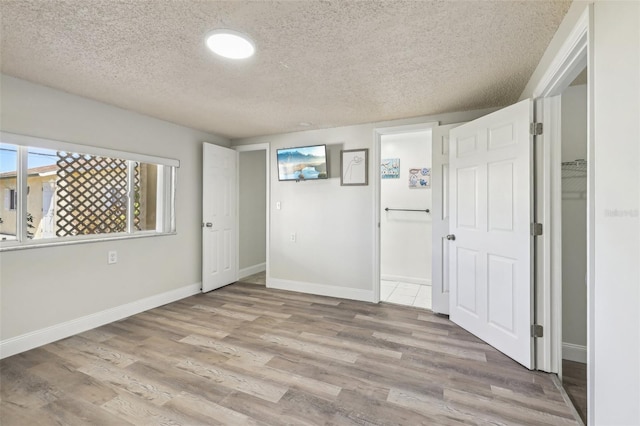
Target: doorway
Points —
{"points": [[574, 241], [405, 221], [253, 212], [235, 216], [563, 100]]}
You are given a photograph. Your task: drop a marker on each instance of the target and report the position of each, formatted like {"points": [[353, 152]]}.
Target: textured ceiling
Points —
{"points": [[329, 63]]}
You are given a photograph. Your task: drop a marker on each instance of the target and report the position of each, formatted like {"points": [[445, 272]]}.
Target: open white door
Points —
{"points": [[440, 219], [490, 270], [219, 217]]}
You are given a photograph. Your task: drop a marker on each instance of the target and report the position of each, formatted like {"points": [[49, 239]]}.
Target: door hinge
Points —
{"points": [[536, 330], [536, 229], [535, 129]]}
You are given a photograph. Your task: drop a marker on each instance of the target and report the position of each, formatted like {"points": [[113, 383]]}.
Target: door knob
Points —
{"points": [[209, 225], [451, 237]]}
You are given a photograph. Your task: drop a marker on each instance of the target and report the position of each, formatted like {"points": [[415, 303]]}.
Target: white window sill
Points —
{"points": [[84, 239]]}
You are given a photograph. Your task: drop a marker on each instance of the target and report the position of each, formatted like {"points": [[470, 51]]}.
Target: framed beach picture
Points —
{"points": [[354, 167]]}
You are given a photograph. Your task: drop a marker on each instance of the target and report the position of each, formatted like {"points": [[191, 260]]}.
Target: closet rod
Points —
{"points": [[387, 209]]}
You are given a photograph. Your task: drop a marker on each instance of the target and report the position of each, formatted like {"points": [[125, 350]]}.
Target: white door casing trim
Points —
{"points": [[574, 55], [549, 244], [568, 62]]}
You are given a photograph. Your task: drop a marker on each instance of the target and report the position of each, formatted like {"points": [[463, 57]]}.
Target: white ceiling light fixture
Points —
{"points": [[230, 44]]}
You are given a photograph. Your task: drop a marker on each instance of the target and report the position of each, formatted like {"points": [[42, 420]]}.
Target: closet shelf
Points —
{"points": [[574, 179]]}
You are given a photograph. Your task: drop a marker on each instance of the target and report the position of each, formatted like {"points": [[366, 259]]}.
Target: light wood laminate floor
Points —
{"points": [[575, 383], [245, 355]]}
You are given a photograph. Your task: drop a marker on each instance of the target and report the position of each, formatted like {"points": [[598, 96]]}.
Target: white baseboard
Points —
{"points": [[32, 340], [411, 280], [322, 289], [247, 272], [577, 353]]}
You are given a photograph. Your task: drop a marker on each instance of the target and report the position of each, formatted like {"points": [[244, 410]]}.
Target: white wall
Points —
{"points": [[46, 287], [252, 200], [615, 292], [574, 226], [574, 123], [334, 225], [405, 237]]}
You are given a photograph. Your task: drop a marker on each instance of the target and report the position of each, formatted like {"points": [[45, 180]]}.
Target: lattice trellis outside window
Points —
{"points": [[66, 193], [92, 194]]}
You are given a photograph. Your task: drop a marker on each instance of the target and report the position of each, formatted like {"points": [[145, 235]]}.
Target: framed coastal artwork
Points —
{"points": [[390, 168]]}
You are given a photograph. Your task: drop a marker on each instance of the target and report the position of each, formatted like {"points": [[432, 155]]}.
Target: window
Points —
{"points": [[12, 198], [8, 185], [76, 193]]}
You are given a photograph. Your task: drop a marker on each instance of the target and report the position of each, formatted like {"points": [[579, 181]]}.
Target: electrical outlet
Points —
{"points": [[113, 257], [292, 238]]}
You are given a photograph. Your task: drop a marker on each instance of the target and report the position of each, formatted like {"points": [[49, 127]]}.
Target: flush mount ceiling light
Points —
{"points": [[230, 44]]}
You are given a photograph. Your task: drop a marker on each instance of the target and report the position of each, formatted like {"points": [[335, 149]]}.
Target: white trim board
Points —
{"points": [[322, 289], [250, 270], [410, 280], [568, 63], [34, 339], [252, 147], [573, 352], [571, 56]]}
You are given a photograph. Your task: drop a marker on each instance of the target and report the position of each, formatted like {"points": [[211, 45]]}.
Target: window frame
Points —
{"points": [[165, 201]]}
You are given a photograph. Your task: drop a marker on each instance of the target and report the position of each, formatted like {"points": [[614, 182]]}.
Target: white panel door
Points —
{"points": [[490, 269], [219, 217], [440, 218]]}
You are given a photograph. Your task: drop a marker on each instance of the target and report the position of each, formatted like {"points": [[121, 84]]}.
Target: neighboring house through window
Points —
{"points": [[81, 192]]}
